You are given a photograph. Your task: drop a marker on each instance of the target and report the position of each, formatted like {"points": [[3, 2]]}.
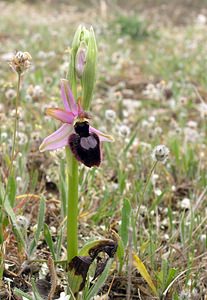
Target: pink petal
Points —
{"points": [[68, 99], [61, 114], [57, 139], [102, 136]]}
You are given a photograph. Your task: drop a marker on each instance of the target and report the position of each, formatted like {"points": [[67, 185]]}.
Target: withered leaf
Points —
{"points": [[107, 246], [78, 269], [79, 265]]}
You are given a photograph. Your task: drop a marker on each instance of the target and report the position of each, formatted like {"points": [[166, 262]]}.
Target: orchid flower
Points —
{"points": [[69, 116]]}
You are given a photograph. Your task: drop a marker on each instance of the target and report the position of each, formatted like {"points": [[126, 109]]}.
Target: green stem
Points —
{"points": [[72, 209], [145, 188], [15, 122], [72, 182]]}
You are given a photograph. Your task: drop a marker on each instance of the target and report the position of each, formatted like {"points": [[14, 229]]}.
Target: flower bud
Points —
{"points": [[72, 69], [81, 59]]}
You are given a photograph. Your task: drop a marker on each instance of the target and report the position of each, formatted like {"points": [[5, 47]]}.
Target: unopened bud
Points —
{"points": [[72, 68], [81, 59]]}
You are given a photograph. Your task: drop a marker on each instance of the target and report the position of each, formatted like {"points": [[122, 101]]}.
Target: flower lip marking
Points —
{"points": [[88, 142]]}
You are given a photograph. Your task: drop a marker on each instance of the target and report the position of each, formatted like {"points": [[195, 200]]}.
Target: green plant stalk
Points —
{"points": [[72, 171], [143, 195], [145, 188], [72, 207], [16, 118], [72, 178]]}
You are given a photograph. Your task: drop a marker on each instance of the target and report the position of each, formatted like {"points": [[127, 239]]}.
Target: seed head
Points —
{"points": [[110, 115], [20, 62], [10, 94], [160, 153], [23, 222], [124, 130]]}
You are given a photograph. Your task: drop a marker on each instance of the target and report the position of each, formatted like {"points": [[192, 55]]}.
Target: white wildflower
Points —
{"points": [[160, 153], [43, 271], [23, 222], [191, 135], [152, 119], [110, 115], [192, 124], [63, 296], [185, 203], [10, 94], [202, 108], [157, 192], [203, 237], [124, 130], [153, 91], [201, 20]]}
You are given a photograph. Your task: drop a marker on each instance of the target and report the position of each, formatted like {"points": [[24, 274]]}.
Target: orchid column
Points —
{"points": [[82, 69]]}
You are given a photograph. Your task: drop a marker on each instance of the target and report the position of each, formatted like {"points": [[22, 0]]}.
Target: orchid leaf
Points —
{"points": [[78, 270], [79, 266], [86, 248]]}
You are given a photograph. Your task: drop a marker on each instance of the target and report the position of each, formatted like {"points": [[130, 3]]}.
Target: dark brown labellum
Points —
{"points": [[85, 145]]}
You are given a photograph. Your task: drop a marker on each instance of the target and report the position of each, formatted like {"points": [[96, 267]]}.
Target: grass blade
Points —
{"points": [[125, 219], [11, 214], [40, 224], [59, 244], [11, 190], [63, 189], [144, 273], [49, 241]]}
